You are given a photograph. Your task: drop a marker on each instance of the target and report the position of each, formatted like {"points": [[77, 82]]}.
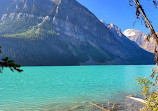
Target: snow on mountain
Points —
{"points": [[140, 38], [63, 32]]}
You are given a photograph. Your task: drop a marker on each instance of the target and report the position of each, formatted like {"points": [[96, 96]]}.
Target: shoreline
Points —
{"points": [[122, 105]]}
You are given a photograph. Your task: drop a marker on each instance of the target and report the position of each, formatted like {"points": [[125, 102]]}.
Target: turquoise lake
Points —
{"points": [[58, 88]]}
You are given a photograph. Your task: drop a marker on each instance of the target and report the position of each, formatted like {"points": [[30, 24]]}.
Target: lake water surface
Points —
{"points": [[62, 88]]}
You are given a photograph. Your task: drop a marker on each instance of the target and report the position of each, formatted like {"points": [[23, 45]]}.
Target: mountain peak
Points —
{"points": [[116, 30], [103, 21], [132, 32], [112, 25], [140, 38], [65, 31]]}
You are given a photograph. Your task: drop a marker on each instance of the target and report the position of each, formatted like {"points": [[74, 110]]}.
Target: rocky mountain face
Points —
{"points": [[4, 5], [63, 32], [113, 28], [140, 39]]}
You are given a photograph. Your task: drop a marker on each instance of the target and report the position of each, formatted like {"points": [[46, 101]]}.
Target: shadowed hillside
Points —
{"points": [[63, 32]]}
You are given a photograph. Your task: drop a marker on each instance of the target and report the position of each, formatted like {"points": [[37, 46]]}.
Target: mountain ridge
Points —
{"points": [[140, 38], [63, 35]]}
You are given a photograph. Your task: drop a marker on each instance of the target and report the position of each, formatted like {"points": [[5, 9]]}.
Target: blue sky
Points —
{"points": [[121, 14]]}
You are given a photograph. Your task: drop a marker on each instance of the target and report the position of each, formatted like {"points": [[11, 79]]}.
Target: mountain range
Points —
{"points": [[63, 33], [140, 38]]}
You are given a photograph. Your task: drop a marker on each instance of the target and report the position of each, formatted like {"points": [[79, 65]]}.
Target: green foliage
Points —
{"points": [[9, 63], [39, 31], [150, 93], [151, 96], [145, 85], [17, 25], [27, 34]]}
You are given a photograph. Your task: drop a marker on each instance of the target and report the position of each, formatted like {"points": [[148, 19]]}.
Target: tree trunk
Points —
{"points": [[146, 20]]}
